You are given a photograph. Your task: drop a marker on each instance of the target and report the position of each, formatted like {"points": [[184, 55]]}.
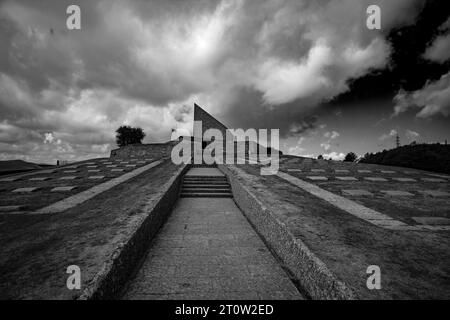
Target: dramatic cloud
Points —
{"points": [[339, 156], [439, 50], [389, 135], [432, 99], [142, 62], [331, 135], [411, 135]]}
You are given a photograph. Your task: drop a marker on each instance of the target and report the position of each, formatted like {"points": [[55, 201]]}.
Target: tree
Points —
{"points": [[320, 157], [126, 135], [350, 157]]}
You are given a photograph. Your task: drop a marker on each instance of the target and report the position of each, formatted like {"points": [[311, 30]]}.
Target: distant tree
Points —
{"points": [[126, 135], [350, 157], [320, 157], [432, 157]]}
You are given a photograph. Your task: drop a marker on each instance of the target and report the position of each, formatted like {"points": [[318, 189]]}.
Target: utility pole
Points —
{"points": [[397, 140]]}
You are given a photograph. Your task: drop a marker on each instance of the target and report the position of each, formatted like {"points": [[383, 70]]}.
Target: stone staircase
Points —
{"points": [[205, 187]]}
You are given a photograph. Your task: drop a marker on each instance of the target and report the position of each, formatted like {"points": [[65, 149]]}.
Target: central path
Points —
{"points": [[208, 250]]}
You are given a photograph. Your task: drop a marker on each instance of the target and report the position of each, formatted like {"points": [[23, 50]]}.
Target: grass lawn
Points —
{"points": [[43, 195], [413, 264], [36, 250]]}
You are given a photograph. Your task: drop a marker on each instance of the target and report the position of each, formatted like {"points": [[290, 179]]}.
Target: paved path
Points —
{"points": [[202, 171], [208, 250]]}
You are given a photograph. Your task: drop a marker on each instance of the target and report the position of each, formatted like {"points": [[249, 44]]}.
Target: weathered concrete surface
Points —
{"points": [[98, 235], [81, 197], [414, 263], [208, 250], [116, 270], [203, 171], [312, 274]]}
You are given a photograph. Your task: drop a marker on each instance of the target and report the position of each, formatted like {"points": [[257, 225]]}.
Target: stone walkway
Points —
{"points": [[208, 250]]}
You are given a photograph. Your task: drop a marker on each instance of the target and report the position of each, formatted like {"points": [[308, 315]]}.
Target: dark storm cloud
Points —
{"points": [[138, 61], [248, 111]]}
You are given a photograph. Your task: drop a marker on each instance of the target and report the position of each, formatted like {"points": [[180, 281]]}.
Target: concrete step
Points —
{"points": [[206, 195], [205, 179], [200, 190], [208, 183], [205, 186], [201, 183]]}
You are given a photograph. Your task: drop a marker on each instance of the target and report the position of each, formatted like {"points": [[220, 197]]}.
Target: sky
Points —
{"points": [[311, 69]]}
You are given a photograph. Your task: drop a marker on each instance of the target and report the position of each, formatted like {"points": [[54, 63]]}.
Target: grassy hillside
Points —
{"points": [[15, 166], [430, 157]]}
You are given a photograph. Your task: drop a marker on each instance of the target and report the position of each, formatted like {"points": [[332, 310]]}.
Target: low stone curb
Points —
{"points": [[310, 272], [109, 281]]}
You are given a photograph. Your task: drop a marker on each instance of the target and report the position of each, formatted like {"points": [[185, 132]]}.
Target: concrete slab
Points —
{"points": [[397, 193], [294, 170], [94, 170], [39, 179], [10, 208], [341, 171], [81, 197], [96, 177], [91, 167], [130, 166], [357, 193], [435, 193], [433, 180], [340, 202], [317, 170], [10, 179], [317, 178], [25, 190], [68, 178], [63, 189], [387, 171], [112, 166], [347, 178], [375, 179], [70, 171], [117, 170], [404, 179], [364, 171], [439, 175], [432, 220], [204, 172]]}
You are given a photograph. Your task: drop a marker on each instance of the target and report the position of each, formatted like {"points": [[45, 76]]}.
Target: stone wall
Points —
{"points": [[152, 150]]}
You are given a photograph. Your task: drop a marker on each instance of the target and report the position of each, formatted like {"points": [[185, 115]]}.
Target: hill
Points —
{"points": [[430, 157], [15, 166]]}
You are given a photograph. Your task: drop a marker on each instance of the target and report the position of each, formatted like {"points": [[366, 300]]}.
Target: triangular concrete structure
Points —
{"points": [[208, 122]]}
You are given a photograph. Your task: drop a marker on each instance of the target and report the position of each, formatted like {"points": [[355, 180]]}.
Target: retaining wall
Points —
{"points": [[308, 270], [109, 282], [153, 150]]}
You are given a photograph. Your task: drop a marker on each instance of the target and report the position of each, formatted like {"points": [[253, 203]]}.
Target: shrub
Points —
{"points": [[126, 135], [350, 157]]}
